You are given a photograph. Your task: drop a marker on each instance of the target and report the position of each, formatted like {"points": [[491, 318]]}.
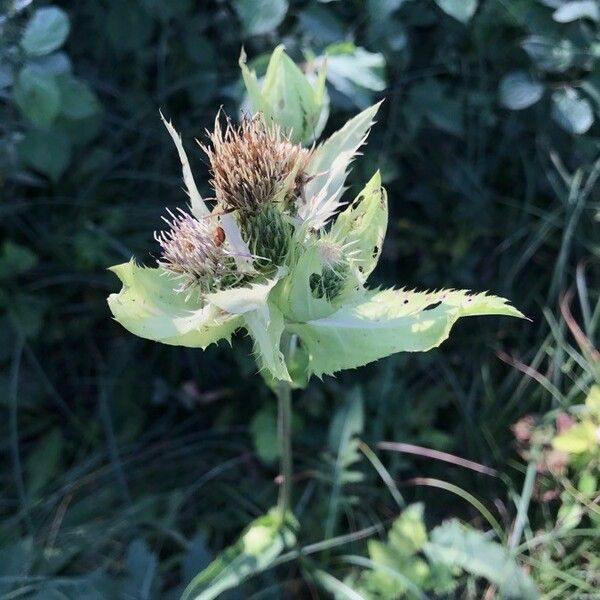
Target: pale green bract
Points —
{"points": [[287, 96], [338, 330]]}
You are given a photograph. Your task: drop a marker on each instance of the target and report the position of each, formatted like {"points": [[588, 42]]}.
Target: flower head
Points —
{"points": [[194, 250], [251, 163]]}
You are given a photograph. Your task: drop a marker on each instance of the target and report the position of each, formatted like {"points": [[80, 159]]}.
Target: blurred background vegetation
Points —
{"points": [[127, 465]]}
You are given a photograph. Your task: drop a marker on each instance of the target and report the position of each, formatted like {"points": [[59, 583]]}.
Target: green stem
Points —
{"points": [[284, 430]]}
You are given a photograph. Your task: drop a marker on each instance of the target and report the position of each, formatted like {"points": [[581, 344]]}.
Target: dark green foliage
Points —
{"points": [[126, 465]]}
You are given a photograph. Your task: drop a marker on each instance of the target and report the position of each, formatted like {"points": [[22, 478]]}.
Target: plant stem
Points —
{"points": [[284, 433]]}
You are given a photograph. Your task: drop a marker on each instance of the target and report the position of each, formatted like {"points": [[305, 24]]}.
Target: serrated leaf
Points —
{"points": [[518, 90], [388, 322], [46, 31], [572, 112], [362, 226], [461, 10], [149, 307], [38, 96], [457, 545], [258, 546]]}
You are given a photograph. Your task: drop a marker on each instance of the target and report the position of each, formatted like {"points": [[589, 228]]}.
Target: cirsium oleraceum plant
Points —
{"points": [[279, 253]]}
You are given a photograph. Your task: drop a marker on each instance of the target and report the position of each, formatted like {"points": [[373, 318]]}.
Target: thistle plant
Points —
{"points": [[280, 254]]}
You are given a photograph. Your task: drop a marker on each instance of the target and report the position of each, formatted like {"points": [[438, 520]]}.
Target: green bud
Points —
{"points": [[269, 236], [287, 96]]}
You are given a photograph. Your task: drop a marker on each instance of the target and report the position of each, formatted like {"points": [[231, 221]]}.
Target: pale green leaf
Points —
{"points": [[460, 546], [256, 549], [265, 326], [294, 296], [263, 320], [349, 67], [329, 168], [240, 300], [46, 31], [149, 307], [362, 226], [583, 437], [252, 86], [408, 534], [337, 588], [388, 322], [287, 96]]}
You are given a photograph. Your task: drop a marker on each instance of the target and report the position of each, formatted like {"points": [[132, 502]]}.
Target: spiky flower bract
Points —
{"points": [[279, 255]]}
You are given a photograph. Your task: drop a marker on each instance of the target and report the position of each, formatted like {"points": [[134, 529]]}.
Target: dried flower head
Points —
{"points": [[194, 251], [250, 163]]}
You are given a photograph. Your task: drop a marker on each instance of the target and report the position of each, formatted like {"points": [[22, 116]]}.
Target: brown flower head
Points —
{"points": [[250, 163], [193, 250]]}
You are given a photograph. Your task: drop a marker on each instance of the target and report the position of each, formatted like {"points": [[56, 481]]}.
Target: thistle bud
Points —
{"points": [[287, 96], [269, 236]]}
